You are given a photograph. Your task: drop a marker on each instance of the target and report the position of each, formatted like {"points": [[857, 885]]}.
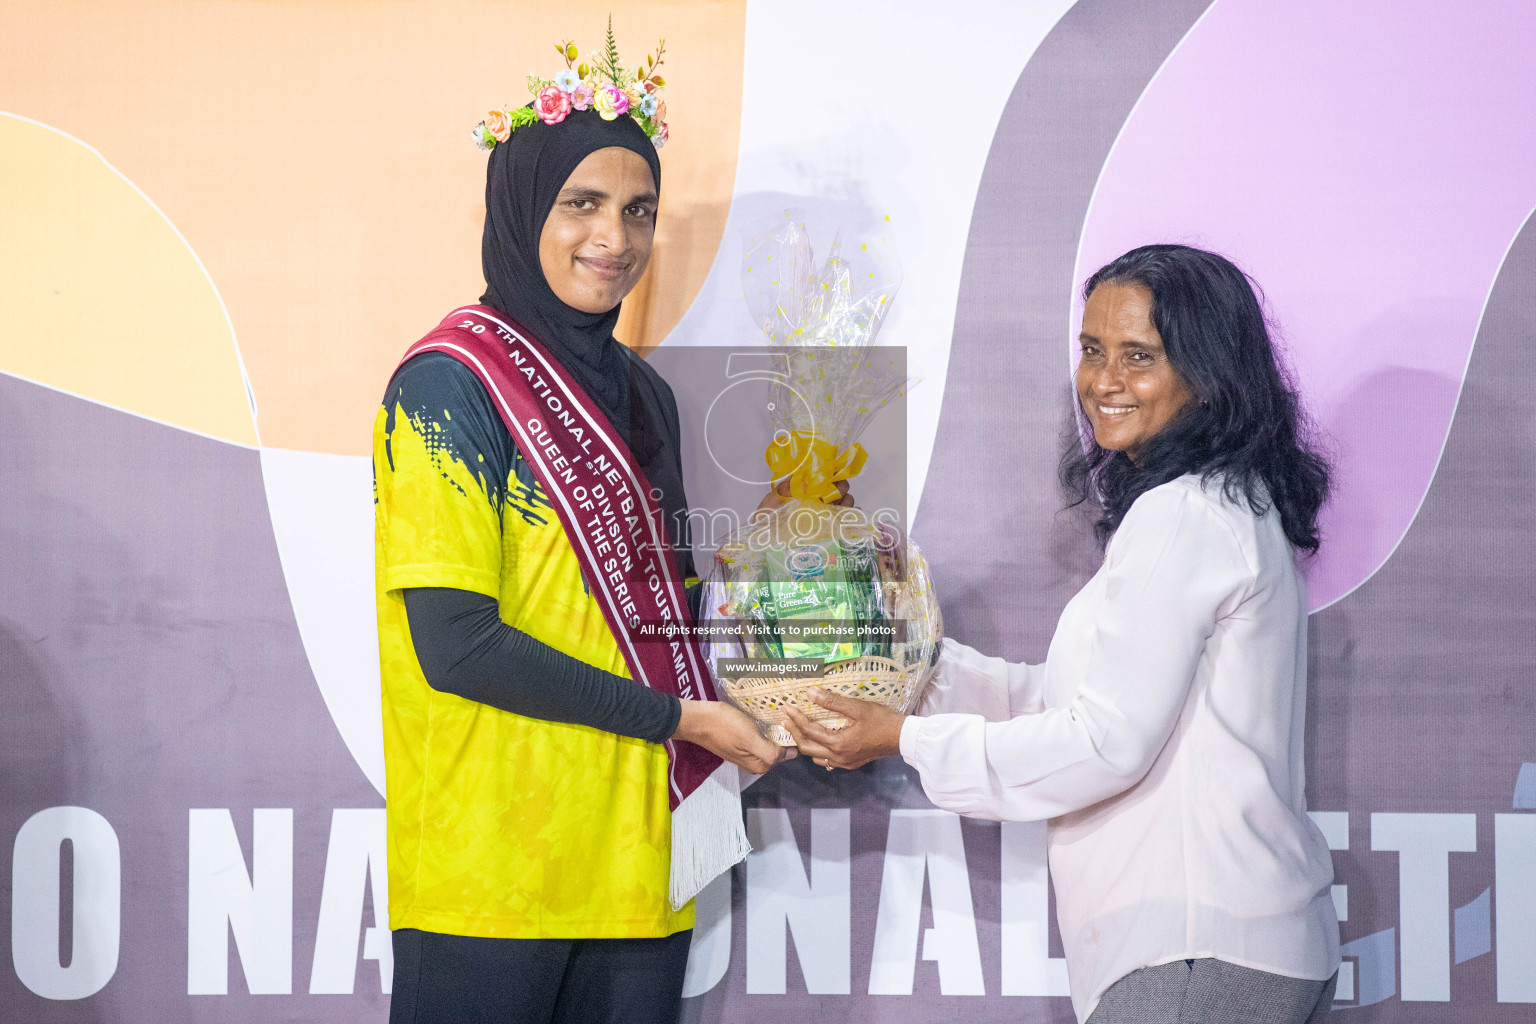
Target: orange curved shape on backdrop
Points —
{"points": [[99, 295], [317, 157]]}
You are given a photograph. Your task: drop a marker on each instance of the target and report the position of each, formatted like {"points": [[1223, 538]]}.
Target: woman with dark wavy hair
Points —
{"points": [[1163, 736], [1244, 425]]}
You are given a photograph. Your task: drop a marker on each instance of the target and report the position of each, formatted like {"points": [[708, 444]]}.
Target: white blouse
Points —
{"points": [[1163, 739]]}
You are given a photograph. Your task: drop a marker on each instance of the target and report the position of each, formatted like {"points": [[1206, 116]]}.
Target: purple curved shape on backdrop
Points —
{"points": [[1369, 164]]}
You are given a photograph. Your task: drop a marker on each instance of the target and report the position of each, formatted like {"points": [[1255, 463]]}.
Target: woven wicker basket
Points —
{"points": [[871, 678]]}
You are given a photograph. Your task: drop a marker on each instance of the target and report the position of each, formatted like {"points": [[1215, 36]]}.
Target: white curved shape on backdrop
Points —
{"points": [[322, 516], [851, 148]]}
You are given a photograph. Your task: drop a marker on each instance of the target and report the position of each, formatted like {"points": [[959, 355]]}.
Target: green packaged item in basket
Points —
{"points": [[809, 589]]}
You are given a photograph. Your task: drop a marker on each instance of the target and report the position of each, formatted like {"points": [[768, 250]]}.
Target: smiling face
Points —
{"points": [[597, 240], [1128, 388]]}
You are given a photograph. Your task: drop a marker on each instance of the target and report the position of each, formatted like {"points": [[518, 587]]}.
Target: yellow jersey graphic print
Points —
{"points": [[500, 825]]}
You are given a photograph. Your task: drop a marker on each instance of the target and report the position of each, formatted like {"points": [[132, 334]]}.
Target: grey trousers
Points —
{"points": [[1209, 991]]}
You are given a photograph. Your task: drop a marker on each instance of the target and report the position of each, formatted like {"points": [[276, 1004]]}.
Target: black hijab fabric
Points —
{"points": [[525, 175]]}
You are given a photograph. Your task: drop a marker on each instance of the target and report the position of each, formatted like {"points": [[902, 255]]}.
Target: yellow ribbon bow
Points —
{"points": [[813, 465]]}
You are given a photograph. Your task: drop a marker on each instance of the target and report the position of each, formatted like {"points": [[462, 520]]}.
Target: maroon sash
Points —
{"points": [[604, 502]]}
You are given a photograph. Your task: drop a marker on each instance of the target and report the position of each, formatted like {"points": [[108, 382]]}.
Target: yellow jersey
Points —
{"points": [[500, 826]]}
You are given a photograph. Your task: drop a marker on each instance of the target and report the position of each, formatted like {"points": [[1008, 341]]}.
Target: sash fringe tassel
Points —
{"points": [[708, 837]]}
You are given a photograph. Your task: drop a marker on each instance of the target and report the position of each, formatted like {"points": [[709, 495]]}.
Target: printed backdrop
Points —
{"points": [[220, 225]]}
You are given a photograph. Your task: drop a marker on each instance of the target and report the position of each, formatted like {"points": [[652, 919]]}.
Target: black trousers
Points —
{"points": [[455, 979]]}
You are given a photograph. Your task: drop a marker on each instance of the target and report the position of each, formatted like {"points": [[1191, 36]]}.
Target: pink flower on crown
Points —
{"points": [[582, 96], [610, 101], [551, 104], [660, 138], [499, 125]]}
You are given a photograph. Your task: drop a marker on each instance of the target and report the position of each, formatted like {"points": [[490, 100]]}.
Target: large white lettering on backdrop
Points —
{"points": [[789, 893], [818, 909], [813, 904], [35, 897], [223, 898]]}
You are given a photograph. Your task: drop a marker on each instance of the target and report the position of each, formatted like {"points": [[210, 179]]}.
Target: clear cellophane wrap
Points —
{"points": [[809, 561]]}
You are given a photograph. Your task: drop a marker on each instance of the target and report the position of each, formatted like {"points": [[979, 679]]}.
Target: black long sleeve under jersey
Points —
{"points": [[465, 649]]}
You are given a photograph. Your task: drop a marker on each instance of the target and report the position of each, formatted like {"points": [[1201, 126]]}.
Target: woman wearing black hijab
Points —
{"points": [[528, 803]]}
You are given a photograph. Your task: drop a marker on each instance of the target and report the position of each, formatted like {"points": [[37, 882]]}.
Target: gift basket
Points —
{"points": [[815, 594]]}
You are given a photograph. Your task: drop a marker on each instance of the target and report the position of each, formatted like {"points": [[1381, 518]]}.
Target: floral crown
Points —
{"points": [[603, 85]]}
